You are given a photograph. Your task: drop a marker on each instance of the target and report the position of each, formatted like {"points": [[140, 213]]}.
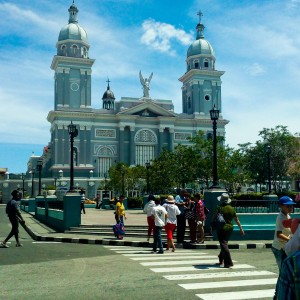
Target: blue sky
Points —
{"points": [[257, 44]]}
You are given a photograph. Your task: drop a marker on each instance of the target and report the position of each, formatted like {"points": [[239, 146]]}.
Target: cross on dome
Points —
{"points": [[200, 14]]}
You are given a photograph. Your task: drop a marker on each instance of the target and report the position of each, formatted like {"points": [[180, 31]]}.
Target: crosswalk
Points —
{"points": [[197, 271]]}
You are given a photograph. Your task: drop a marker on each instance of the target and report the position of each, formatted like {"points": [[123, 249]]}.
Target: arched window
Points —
{"points": [[63, 50], [84, 52], [196, 64], [189, 102], [75, 49], [145, 142], [205, 63], [105, 160]]}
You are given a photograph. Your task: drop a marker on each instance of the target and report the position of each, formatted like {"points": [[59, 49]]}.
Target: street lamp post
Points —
{"points": [[23, 183], [32, 183], [123, 182], [268, 150], [73, 132], [39, 167], [214, 116], [105, 177], [147, 169]]}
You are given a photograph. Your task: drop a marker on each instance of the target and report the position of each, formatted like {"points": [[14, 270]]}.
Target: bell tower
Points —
{"points": [[72, 66], [201, 88]]}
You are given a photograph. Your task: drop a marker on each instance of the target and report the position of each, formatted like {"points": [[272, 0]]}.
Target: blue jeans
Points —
{"points": [[157, 239], [279, 256]]}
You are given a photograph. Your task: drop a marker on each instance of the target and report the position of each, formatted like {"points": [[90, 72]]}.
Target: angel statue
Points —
{"points": [[146, 84]]}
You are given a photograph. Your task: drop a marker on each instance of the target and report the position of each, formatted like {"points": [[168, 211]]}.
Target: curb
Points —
{"points": [[113, 242]]}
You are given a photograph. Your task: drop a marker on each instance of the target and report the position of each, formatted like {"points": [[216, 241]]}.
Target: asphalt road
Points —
{"points": [[42, 270]]}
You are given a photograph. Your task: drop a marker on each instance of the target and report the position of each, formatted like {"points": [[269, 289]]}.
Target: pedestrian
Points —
{"points": [[120, 210], [173, 211], [288, 283], [148, 209], [226, 230], [14, 215], [98, 201], [293, 244], [181, 221], [200, 217], [189, 215], [159, 214], [82, 193], [282, 234]]}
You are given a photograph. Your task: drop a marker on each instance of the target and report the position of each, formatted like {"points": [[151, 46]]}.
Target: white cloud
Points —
{"points": [[159, 36], [255, 69]]}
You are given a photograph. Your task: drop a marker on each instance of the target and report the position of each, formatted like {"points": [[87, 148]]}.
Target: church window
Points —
{"points": [[75, 49], [196, 63], [104, 160], [84, 52], [63, 50], [205, 63], [145, 140], [207, 97], [189, 102]]}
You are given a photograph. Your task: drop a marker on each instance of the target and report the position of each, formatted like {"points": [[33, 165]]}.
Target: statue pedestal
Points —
{"points": [[211, 202]]}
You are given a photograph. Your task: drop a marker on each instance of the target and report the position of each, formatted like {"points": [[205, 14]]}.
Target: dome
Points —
{"points": [[200, 46], [73, 31], [108, 95]]}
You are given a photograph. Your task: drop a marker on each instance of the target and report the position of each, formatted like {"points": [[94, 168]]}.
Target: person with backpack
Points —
{"points": [[14, 215]]}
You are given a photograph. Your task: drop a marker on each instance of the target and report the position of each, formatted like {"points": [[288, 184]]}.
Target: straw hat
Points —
{"points": [[170, 199], [224, 198]]}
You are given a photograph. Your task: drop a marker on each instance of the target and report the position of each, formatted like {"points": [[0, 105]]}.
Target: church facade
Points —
{"points": [[130, 130]]}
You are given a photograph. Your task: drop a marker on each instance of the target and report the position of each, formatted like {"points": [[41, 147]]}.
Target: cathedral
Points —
{"points": [[129, 130]]}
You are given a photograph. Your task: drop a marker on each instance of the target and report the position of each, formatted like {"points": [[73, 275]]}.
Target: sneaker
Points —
{"points": [[19, 245], [4, 245], [160, 252]]}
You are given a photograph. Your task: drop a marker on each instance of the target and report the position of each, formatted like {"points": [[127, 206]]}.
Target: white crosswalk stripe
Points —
{"points": [[253, 294], [209, 280], [169, 257], [217, 275], [202, 268]]}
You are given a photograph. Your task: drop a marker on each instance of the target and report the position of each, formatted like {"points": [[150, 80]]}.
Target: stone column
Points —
{"points": [[160, 139], [121, 144], [132, 147], [171, 139]]}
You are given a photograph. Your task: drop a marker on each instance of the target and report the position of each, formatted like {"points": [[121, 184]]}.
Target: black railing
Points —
{"points": [[258, 206]]}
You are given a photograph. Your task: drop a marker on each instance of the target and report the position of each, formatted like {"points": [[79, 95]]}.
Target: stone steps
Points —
{"points": [[131, 231]]}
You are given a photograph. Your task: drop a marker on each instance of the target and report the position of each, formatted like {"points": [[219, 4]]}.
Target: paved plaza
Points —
{"points": [[64, 266]]}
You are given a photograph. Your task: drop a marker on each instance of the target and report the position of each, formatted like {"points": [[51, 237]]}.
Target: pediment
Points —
{"points": [[148, 109]]}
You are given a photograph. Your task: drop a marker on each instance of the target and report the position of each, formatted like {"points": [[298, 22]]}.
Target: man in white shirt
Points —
{"points": [[159, 214]]}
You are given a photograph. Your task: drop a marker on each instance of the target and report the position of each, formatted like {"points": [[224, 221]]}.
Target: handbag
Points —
{"points": [[218, 222], [190, 213]]}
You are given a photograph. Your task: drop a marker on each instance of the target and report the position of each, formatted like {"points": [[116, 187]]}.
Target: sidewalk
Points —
{"points": [[41, 232]]}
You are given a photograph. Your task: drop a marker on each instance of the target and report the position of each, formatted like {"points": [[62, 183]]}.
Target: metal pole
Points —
{"points": [[32, 183], [269, 167], [40, 179], [123, 183], [215, 163], [72, 163]]}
